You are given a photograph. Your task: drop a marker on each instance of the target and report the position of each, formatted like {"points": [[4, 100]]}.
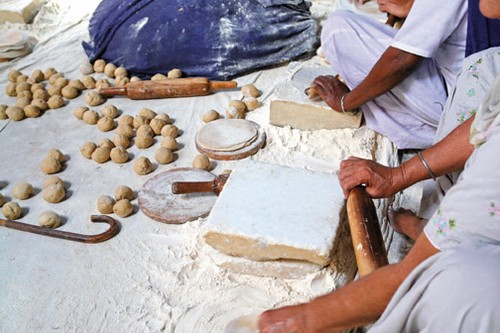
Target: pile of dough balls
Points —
{"points": [[53, 162], [54, 190], [121, 203]]}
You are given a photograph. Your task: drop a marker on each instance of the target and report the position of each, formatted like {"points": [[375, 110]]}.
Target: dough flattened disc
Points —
{"points": [[226, 135]]}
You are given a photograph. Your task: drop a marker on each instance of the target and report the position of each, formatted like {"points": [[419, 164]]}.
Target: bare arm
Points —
{"points": [[358, 303], [393, 67], [448, 155]]}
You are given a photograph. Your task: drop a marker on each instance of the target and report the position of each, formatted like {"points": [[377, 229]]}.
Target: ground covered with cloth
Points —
{"points": [[151, 277]]}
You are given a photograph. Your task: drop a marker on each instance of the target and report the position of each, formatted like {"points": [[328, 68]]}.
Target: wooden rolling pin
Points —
{"points": [[367, 240], [215, 186], [195, 86]]}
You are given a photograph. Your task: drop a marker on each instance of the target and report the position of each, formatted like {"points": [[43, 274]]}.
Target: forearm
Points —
{"points": [[363, 301], [446, 156], [393, 67]]}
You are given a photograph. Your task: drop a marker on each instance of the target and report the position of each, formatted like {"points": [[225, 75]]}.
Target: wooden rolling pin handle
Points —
{"points": [[112, 91], [367, 240], [215, 186], [216, 85]]}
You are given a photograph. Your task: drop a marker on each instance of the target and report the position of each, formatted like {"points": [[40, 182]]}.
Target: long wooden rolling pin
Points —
{"points": [[367, 239], [185, 87]]}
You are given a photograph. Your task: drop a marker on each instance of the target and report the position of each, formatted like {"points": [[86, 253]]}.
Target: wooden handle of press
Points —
{"points": [[192, 187], [367, 240], [216, 85]]}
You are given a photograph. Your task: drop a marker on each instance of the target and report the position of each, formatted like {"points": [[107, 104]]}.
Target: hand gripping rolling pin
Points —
{"points": [[184, 87]]}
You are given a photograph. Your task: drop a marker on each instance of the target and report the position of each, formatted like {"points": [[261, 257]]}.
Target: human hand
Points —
{"points": [[330, 89], [290, 319], [380, 181], [399, 8]]}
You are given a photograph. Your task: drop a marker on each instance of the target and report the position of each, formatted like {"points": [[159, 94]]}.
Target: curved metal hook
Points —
{"points": [[113, 230]]}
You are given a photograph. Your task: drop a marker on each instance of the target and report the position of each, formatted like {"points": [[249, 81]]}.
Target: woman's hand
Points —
{"points": [[380, 181], [290, 319], [330, 90]]}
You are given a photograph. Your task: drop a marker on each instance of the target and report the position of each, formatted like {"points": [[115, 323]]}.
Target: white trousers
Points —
{"points": [[409, 113]]}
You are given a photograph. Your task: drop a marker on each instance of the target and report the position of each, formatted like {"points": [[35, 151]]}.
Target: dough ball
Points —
{"points": [[169, 143], [109, 70], [159, 77], [251, 103], [107, 143], [135, 79], [239, 105], [147, 113], [54, 90], [40, 103], [106, 124], [53, 78], [164, 155], [86, 67], [122, 81], [93, 98], [79, 111], [120, 72], [109, 110], [32, 111], [15, 113], [143, 166], [37, 86], [101, 154], [13, 74], [89, 82], [201, 162], [121, 140], [25, 94], [55, 102], [70, 92], [174, 73], [144, 141], [124, 192], [123, 208], [119, 155], [22, 102], [87, 149], [61, 82], [49, 72], [22, 78], [50, 165], [54, 193], [105, 204], [91, 117], [41, 94], [11, 89], [210, 115], [126, 119], [49, 219], [145, 130], [57, 154], [2, 200], [249, 90], [3, 112], [156, 125], [22, 86], [11, 210], [170, 130], [53, 180], [163, 116], [99, 65], [77, 84], [22, 191], [102, 83], [37, 76], [233, 113], [140, 120], [126, 130]]}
